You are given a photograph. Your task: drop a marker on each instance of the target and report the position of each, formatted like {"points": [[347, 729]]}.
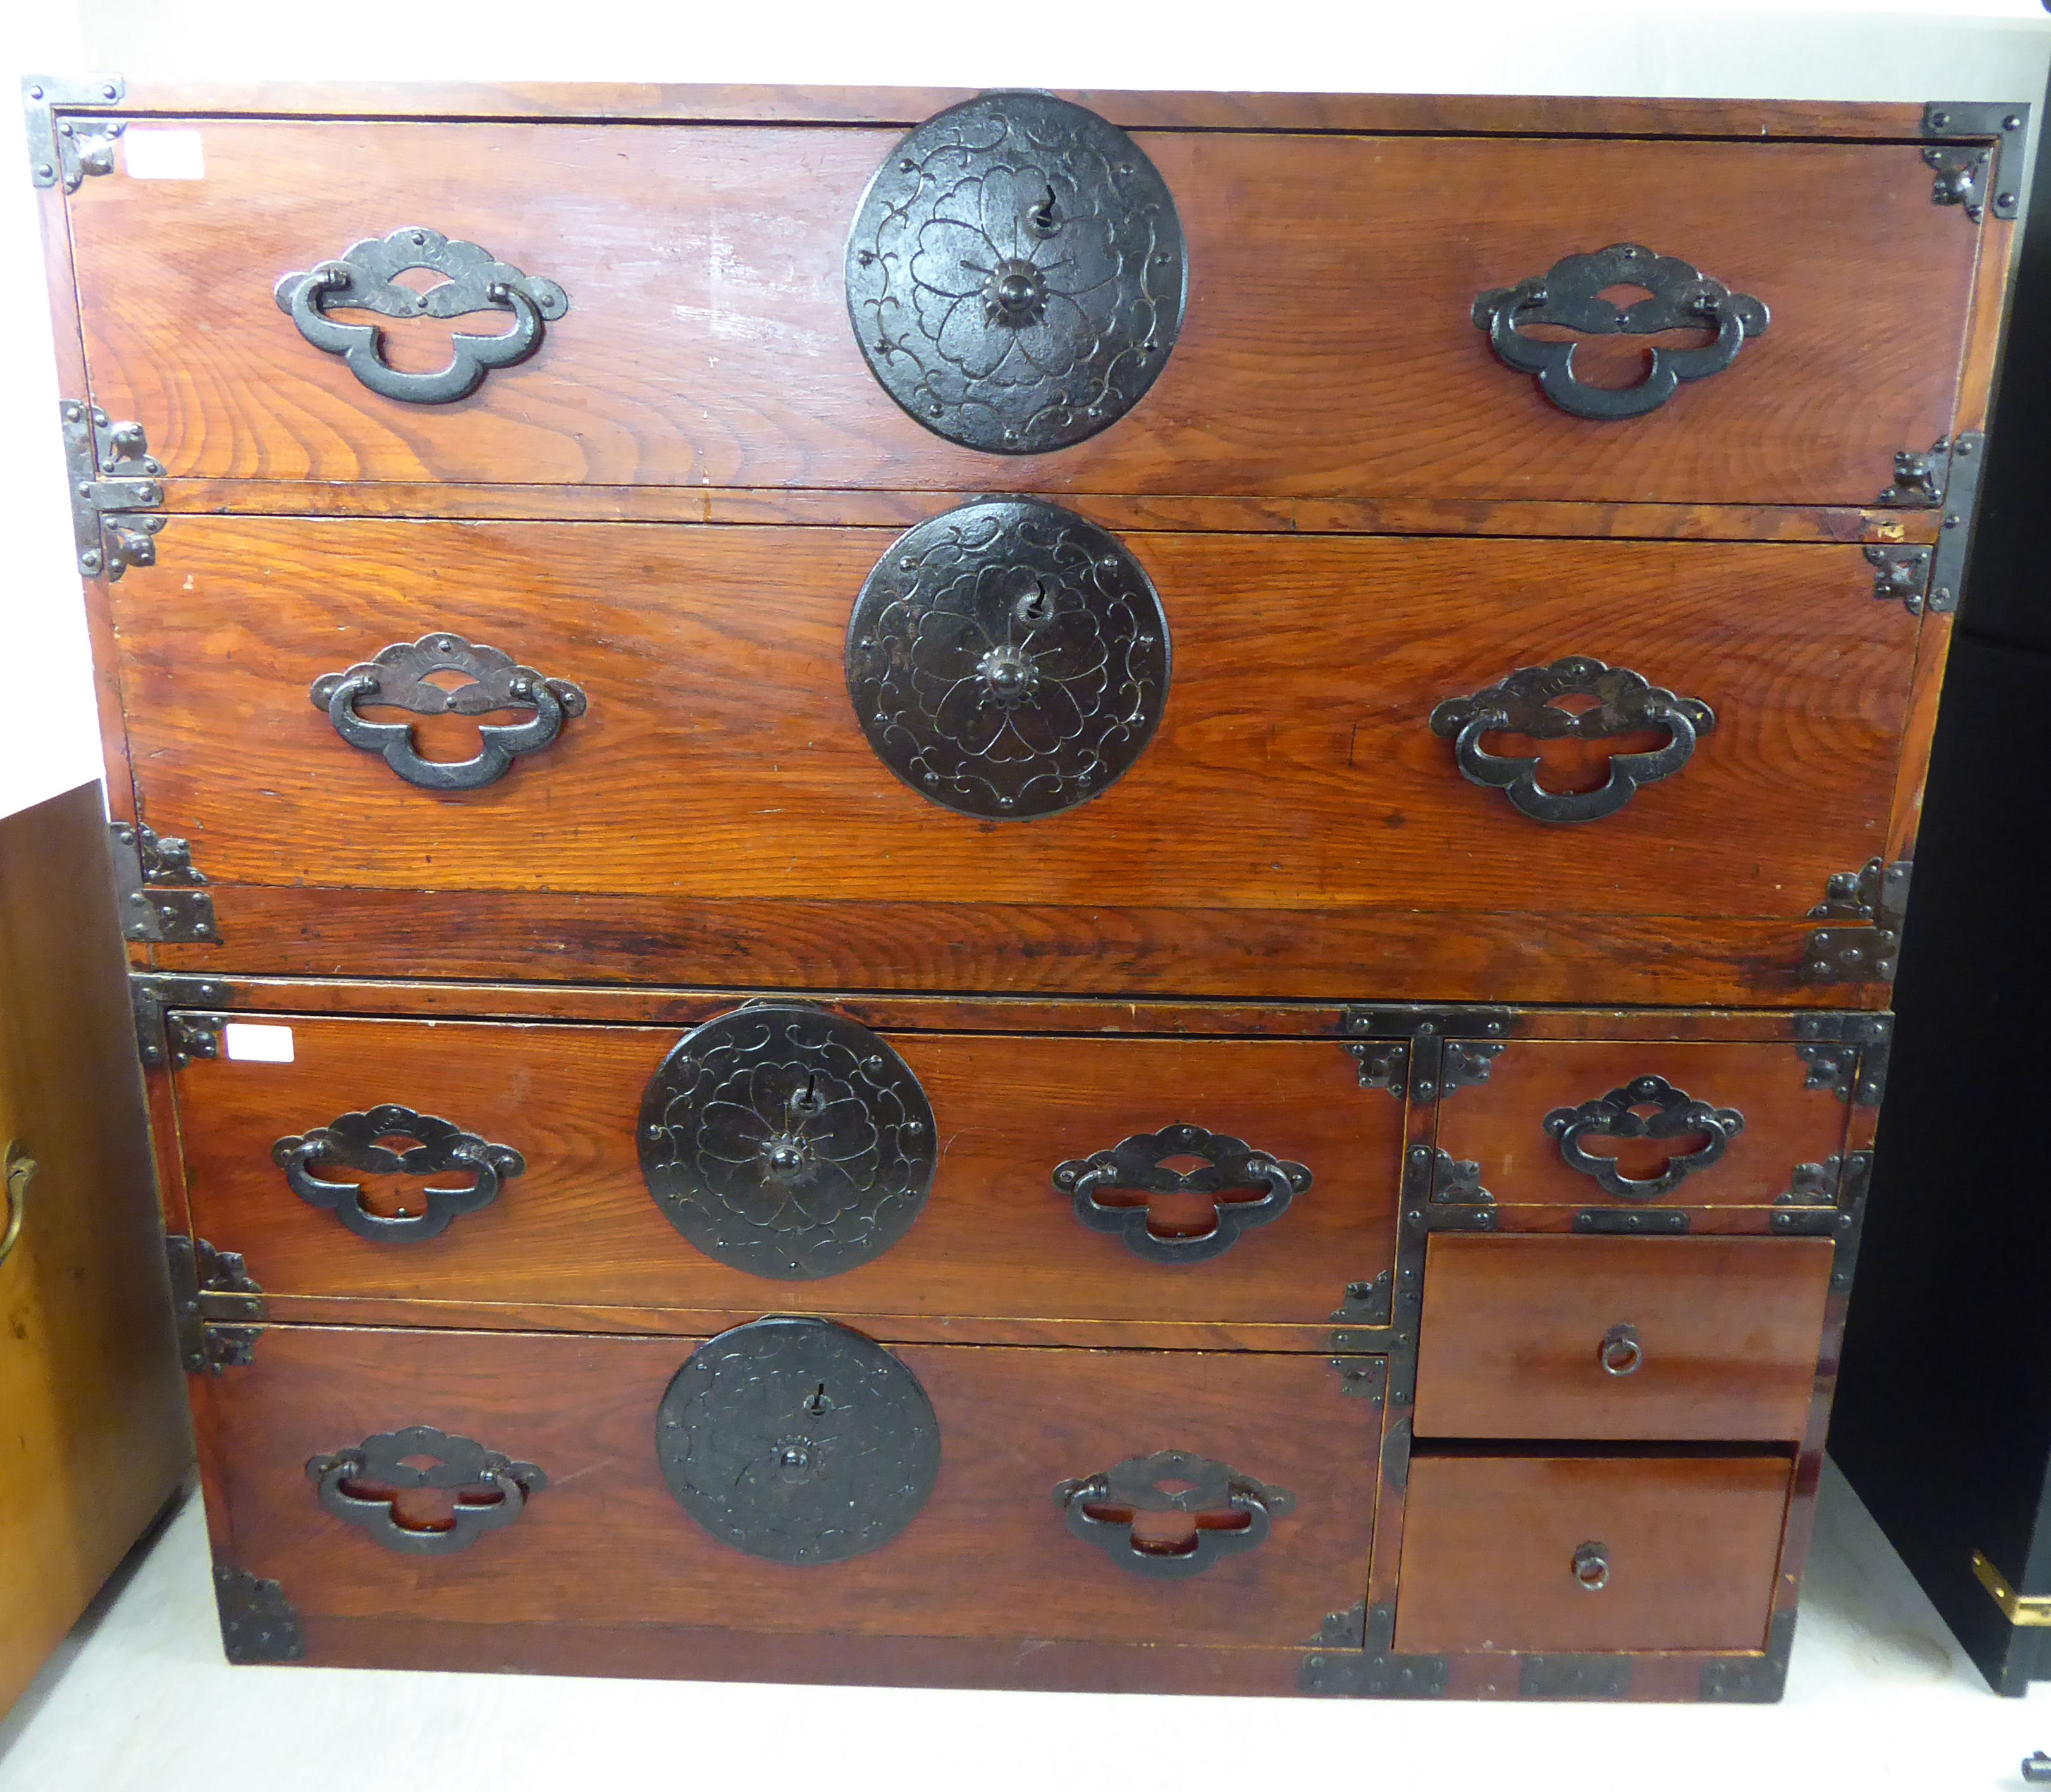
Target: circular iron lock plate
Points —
{"points": [[798, 1441], [787, 1142], [1008, 660], [1016, 274]]}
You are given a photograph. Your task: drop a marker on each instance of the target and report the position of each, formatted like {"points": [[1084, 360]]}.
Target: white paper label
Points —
{"points": [[257, 1045], [163, 155]]}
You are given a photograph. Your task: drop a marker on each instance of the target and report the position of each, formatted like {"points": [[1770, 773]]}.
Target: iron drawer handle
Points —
{"points": [[490, 1490], [399, 676], [1592, 1566], [1204, 1487], [1620, 1353], [1676, 1114], [1569, 294], [21, 1171], [352, 1141], [364, 279], [1138, 1163], [1527, 703]]}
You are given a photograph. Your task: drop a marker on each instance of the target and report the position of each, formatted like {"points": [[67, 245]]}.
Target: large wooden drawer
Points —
{"points": [[1589, 1554], [716, 811], [573, 1237], [1328, 349], [984, 1547], [1623, 1338]]}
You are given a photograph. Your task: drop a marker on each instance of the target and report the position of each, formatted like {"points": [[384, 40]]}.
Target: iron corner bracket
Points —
{"points": [[165, 1038], [1873, 900], [117, 491], [59, 149], [218, 1306], [1373, 1670], [1757, 1680], [158, 887], [1945, 477], [257, 1621], [1970, 177]]}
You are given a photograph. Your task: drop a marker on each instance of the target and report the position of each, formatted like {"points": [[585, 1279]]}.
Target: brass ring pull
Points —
{"points": [[1620, 1353], [1592, 1566], [21, 1169]]}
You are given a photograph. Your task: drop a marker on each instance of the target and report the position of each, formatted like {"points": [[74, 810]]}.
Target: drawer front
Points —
{"points": [[1701, 1338], [1607, 1125], [576, 1227], [959, 1486], [715, 757], [1589, 1554], [1329, 347]]}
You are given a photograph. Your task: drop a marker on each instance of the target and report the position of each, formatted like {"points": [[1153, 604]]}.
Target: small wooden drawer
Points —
{"points": [[698, 328], [1698, 1338], [615, 1208], [714, 812], [980, 1492], [1589, 1554], [1605, 1125]]}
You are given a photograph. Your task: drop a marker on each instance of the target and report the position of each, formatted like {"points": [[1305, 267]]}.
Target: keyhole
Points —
{"points": [[819, 1402], [1040, 219], [1036, 607], [807, 1099]]}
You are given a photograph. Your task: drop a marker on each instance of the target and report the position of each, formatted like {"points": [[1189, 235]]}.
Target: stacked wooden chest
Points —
{"points": [[1009, 891]]}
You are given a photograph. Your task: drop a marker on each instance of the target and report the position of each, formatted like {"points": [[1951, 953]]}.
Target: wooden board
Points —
{"points": [[1328, 350], [94, 1438]]}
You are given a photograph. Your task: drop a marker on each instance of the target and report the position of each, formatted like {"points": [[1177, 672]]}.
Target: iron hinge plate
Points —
{"points": [[151, 998], [1874, 898], [117, 491], [1975, 178], [58, 149], [156, 883], [1946, 478], [2028, 1610], [218, 1306]]}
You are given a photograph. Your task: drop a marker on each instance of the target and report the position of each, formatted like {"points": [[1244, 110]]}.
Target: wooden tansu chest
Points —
{"points": [[998, 890]]}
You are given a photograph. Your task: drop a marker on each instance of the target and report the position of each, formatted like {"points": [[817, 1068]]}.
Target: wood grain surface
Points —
{"points": [[1328, 350], [1294, 769], [996, 1240], [1489, 1541], [1512, 1330], [1501, 1123], [989, 1555], [93, 1436]]}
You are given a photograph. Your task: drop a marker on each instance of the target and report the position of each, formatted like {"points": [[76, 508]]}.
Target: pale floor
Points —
{"points": [[1878, 1696]]}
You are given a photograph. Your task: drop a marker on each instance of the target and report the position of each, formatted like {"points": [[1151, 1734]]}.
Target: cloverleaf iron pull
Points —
{"points": [[1526, 702], [1677, 1115], [399, 677], [490, 1490], [1101, 1508], [365, 279], [353, 1142], [1569, 294], [1137, 1164]]}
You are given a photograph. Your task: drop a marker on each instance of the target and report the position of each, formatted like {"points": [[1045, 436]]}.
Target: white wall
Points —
{"points": [[1996, 49]]}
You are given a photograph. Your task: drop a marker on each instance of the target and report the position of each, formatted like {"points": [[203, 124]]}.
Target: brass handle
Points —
{"points": [[20, 1169], [1592, 1566]]}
